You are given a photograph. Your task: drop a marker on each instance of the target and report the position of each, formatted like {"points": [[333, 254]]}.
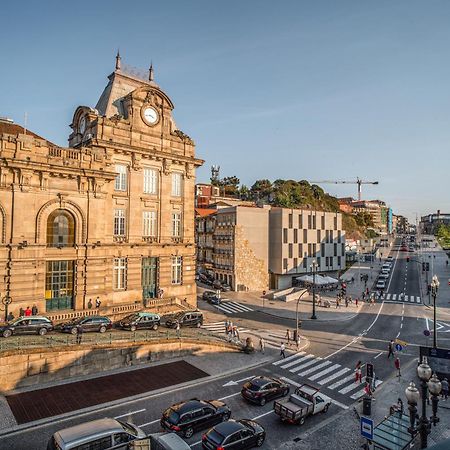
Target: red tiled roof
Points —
{"points": [[203, 212]]}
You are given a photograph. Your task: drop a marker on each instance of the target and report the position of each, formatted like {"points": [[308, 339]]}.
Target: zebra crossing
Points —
{"points": [[324, 372], [219, 327], [232, 307], [401, 298]]}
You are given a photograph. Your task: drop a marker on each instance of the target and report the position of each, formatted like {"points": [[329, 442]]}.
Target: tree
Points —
{"points": [[261, 190], [231, 185]]}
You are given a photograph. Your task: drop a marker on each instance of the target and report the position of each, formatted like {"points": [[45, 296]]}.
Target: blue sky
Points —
{"points": [[312, 90]]}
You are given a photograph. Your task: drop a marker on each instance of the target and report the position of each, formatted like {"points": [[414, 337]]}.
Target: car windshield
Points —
{"points": [[249, 423], [128, 428], [171, 416], [215, 437]]}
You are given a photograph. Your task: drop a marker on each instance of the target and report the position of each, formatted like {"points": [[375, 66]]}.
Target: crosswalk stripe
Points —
{"points": [[296, 361], [230, 306], [418, 299], [305, 365], [313, 369], [225, 309], [350, 387], [342, 381], [324, 372], [360, 393], [394, 296], [406, 298], [388, 297], [244, 307], [335, 375], [281, 361]]}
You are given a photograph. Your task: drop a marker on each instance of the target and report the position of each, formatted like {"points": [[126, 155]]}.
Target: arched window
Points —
{"points": [[60, 229]]}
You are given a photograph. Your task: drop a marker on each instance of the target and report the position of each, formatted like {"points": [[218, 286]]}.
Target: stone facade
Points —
{"points": [[109, 218]]}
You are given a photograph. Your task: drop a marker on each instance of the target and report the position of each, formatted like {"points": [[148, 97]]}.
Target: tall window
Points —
{"points": [[120, 273], [177, 269], [60, 229], [176, 184], [59, 285], [150, 181], [176, 224], [119, 222], [149, 223], [120, 183]]}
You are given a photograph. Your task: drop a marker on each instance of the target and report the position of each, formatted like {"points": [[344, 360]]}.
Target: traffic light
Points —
{"points": [[407, 259], [369, 370], [343, 289]]}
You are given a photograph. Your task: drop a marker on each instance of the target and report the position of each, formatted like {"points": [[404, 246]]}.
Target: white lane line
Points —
{"points": [[418, 299], [398, 334], [313, 369], [379, 354], [230, 306], [229, 396], [394, 296], [225, 310], [304, 366], [262, 415], [335, 375], [149, 423], [195, 444], [246, 378], [244, 307], [388, 297], [129, 413], [401, 325], [281, 361], [324, 372], [428, 326]]}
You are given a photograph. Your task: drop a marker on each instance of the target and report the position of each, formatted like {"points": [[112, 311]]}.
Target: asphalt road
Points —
{"points": [[335, 346]]}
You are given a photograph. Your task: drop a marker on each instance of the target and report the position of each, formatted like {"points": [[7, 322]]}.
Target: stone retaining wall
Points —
{"points": [[39, 366]]}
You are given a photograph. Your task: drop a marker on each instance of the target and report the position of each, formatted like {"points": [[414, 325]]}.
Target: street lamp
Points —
{"points": [[313, 268], [413, 397], [434, 290], [435, 387], [296, 314]]}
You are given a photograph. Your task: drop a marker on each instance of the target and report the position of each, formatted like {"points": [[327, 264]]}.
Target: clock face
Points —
{"points": [[82, 125], [150, 115]]}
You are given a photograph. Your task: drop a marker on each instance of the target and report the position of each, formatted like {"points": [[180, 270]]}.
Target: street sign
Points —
{"points": [[366, 428], [398, 347], [402, 343]]}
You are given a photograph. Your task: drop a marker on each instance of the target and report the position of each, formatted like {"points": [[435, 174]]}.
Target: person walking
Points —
{"points": [[90, 303], [21, 312], [346, 302], [282, 349], [444, 391], [262, 345], [390, 349], [397, 366], [226, 323], [79, 334], [178, 330], [28, 312], [34, 310], [97, 302], [358, 372], [356, 301], [287, 335]]}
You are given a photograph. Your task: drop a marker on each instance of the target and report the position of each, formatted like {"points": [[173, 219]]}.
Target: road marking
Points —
{"points": [[149, 423], [262, 415], [428, 327], [324, 372], [335, 375], [129, 413], [360, 393], [398, 334], [394, 296], [297, 361], [401, 325], [313, 369], [244, 379], [288, 380], [388, 296], [304, 366], [276, 363], [229, 396], [344, 380], [350, 387], [379, 354]]}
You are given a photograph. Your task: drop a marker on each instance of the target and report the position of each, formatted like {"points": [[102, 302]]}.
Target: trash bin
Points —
{"points": [[367, 406]]}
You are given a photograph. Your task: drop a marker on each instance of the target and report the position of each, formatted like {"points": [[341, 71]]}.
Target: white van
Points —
{"points": [[161, 441], [101, 434]]}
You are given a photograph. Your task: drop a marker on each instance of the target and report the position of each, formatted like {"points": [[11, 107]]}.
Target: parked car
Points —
{"points": [[381, 284], [260, 389], [87, 324], [102, 434], [234, 434], [390, 258], [225, 287], [165, 441], [27, 325], [187, 417], [217, 284], [140, 321], [208, 294], [383, 276], [185, 319]]}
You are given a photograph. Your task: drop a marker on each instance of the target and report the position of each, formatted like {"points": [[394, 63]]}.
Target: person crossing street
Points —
{"points": [[390, 349], [282, 349]]}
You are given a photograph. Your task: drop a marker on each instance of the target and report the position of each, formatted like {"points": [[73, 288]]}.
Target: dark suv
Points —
{"points": [[140, 321], [260, 389], [187, 417], [87, 324], [186, 319], [27, 325]]}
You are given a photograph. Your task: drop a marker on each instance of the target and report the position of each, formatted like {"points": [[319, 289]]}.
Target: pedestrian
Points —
{"points": [[372, 301], [90, 303], [21, 312], [346, 302], [397, 366], [337, 303], [97, 302], [79, 334], [178, 330], [236, 332], [10, 317], [391, 349], [282, 349], [287, 335], [356, 301], [28, 312], [367, 390], [262, 345], [226, 326], [444, 390], [34, 310], [358, 372]]}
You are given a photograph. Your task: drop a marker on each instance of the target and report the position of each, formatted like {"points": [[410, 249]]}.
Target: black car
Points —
{"points": [[207, 295], [87, 324], [27, 325], [140, 321], [234, 434], [187, 417], [260, 389], [186, 319]]}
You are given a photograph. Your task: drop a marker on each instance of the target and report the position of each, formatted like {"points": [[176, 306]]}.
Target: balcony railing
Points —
{"points": [[65, 153]]}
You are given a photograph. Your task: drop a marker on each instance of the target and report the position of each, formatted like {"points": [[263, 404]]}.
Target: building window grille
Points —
{"points": [[290, 221], [150, 181], [177, 269], [60, 229], [323, 222], [290, 250], [300, 221], [120, 274], [59, 285], [305, 236], [120, 183], [176, 184], [149, 221], [119, 222], [176, 224], [319, 235], [295, 235], [285, 235], [285, 263]]}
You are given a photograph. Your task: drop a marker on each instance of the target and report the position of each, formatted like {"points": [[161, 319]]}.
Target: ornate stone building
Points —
{"points": [[111, 217]]}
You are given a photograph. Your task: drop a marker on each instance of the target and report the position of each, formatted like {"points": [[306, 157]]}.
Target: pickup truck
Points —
{"points": [[305, 401]]}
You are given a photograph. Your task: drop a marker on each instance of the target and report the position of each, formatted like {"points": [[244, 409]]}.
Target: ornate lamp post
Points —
{"points": [[435, 387], [424, 373], [313, 268], [434, 290], [413, 397]]}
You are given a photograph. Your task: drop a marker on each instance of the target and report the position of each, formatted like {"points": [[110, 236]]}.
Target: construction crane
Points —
{"points": [[358, 181]]}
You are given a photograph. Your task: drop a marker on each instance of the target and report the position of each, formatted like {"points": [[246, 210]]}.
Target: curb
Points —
{"points": [[308, 319], [139, 397]]}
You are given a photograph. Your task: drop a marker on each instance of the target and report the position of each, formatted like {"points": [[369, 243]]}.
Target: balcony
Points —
{"points": [[149, 239], [177, 239], [57, 152], [120, 239]]}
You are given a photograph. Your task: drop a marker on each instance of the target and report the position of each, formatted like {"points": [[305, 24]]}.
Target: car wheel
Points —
{"points": [[188, 432], [285, 392], [301, 421], [102, 329], [155, 327], [133, 328], [42, 331], [326, 408], [260, 440], [262, 402], [7, 333], [226, 416], [74, 330]]}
